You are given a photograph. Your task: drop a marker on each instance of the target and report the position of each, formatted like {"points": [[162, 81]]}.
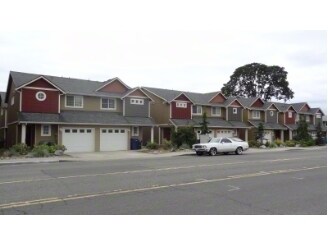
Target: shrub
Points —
{"points": [[254, 144], [290, 143], [307, 143], [278, 142], [184, 135], [152, 145], [167, 144], [272, 145], [267, 144], [40, 151], [19, 149]]}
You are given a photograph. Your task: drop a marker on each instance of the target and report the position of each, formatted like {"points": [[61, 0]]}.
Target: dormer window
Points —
{"points": [[181, 104], [137, 101], [196, 109], [40, 96], [256, 114]]}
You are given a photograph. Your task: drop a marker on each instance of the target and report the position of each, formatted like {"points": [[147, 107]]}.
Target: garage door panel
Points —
{"points": [[224, 133], [79, 139], [113, 139]]}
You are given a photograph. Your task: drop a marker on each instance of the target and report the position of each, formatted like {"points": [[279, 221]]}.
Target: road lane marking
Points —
{"points": [[297, 178], [116, 192], [145, 170], [233, 188]]}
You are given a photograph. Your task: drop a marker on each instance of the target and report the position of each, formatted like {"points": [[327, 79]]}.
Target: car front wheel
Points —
{"points": [[239, 151], [213, 151]]}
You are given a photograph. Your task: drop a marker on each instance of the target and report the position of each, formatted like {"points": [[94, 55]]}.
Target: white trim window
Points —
{"points": [[12, 102], [196, 109], [40, 96], [256, 114], [271, 113], [45, 130], [290, 114], [297, 119], [318, 116], [307, 118], [137, 101], [135, 131], [181, 104], [74, 101], [234, 110], [108, 103], [216, 111]]}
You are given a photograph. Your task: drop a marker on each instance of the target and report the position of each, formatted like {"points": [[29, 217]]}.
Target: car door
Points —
{"points": [[226, 145]]}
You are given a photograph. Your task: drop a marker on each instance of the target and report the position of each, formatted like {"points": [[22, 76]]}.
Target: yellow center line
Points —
{"points": [[145, 170], [157, 187]]}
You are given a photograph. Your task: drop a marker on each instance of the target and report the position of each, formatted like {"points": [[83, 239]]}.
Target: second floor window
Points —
{"points": [[181, 104], [307, 118], [290, 114], [234, 110], [216, 111], [271, 113], [74, 101], [136, 101], [256, 114], [318, 116], [297, 118], [197, 109], [108, 103]]}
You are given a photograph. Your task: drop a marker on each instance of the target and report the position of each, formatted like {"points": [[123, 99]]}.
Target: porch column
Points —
{"points": [[152, 134], [282, 136], [290, 135], [159, 135], [246, 135], [23, 134]]}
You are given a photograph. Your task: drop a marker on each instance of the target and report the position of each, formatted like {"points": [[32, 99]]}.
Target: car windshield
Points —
{"points": [[237, 140], [214, 140]]}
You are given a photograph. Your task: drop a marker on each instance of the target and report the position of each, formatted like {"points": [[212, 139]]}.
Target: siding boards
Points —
{"points": [[271, 119], [136, 109], [235, 117]]}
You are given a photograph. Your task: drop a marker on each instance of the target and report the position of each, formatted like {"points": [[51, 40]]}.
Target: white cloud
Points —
{"points": [[183, 60]]}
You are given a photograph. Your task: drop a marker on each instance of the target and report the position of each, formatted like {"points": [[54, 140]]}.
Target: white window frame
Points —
{"points": [[12, 102], [74, 106], [318, 116], [137, 101], [181, 104], [307, 118], [271, 113], [40, 93], [133, 133], [297, 118], [234, 110], [216, 114], [107, 98], [45, 134], [290, 114], [197, 107], [256, 114]]}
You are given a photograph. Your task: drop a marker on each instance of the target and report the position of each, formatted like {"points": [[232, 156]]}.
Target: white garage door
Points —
{"points": [[79, 139], [112, 139], [268, 136], [224, 133]]}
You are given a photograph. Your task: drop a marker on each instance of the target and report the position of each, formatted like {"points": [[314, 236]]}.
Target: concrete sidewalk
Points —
{"points": [[132, 154]]}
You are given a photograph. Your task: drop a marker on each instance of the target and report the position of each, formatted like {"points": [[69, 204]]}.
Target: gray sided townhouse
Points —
{"points": [[83, 115]]}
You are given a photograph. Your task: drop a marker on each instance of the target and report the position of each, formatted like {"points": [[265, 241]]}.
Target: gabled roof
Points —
{"points": [[164, 94], [316, 110], [299, 106], [247, 102], [111, 81], [130, 91], [182, 93], [40, 77], [68, 85]]}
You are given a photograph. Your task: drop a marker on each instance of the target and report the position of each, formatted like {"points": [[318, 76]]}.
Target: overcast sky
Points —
{"points": [[181, 60]]}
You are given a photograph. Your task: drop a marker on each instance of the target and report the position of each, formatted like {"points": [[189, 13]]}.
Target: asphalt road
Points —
{"points": [[288, 182]]}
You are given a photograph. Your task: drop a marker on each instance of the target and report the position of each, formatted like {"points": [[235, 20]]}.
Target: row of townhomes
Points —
{"points": [[88, 116]]}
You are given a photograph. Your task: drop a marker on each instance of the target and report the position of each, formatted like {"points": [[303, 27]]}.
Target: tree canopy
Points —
{"points": [[259, 80]]}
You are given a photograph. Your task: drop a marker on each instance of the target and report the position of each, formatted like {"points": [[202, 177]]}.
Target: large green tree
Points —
{"points": [[204, 124], [258, 79]]}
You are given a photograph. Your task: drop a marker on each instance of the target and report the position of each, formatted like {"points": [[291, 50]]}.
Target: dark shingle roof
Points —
{"points": [[268, 125], [68, 85], [212, 122], [86, 117]]}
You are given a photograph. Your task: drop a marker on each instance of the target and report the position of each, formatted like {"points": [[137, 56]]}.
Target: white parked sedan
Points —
{"points": [[222, 145]]}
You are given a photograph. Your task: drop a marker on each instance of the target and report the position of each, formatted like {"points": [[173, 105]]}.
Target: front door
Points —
{"points": [[30, 135]]}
